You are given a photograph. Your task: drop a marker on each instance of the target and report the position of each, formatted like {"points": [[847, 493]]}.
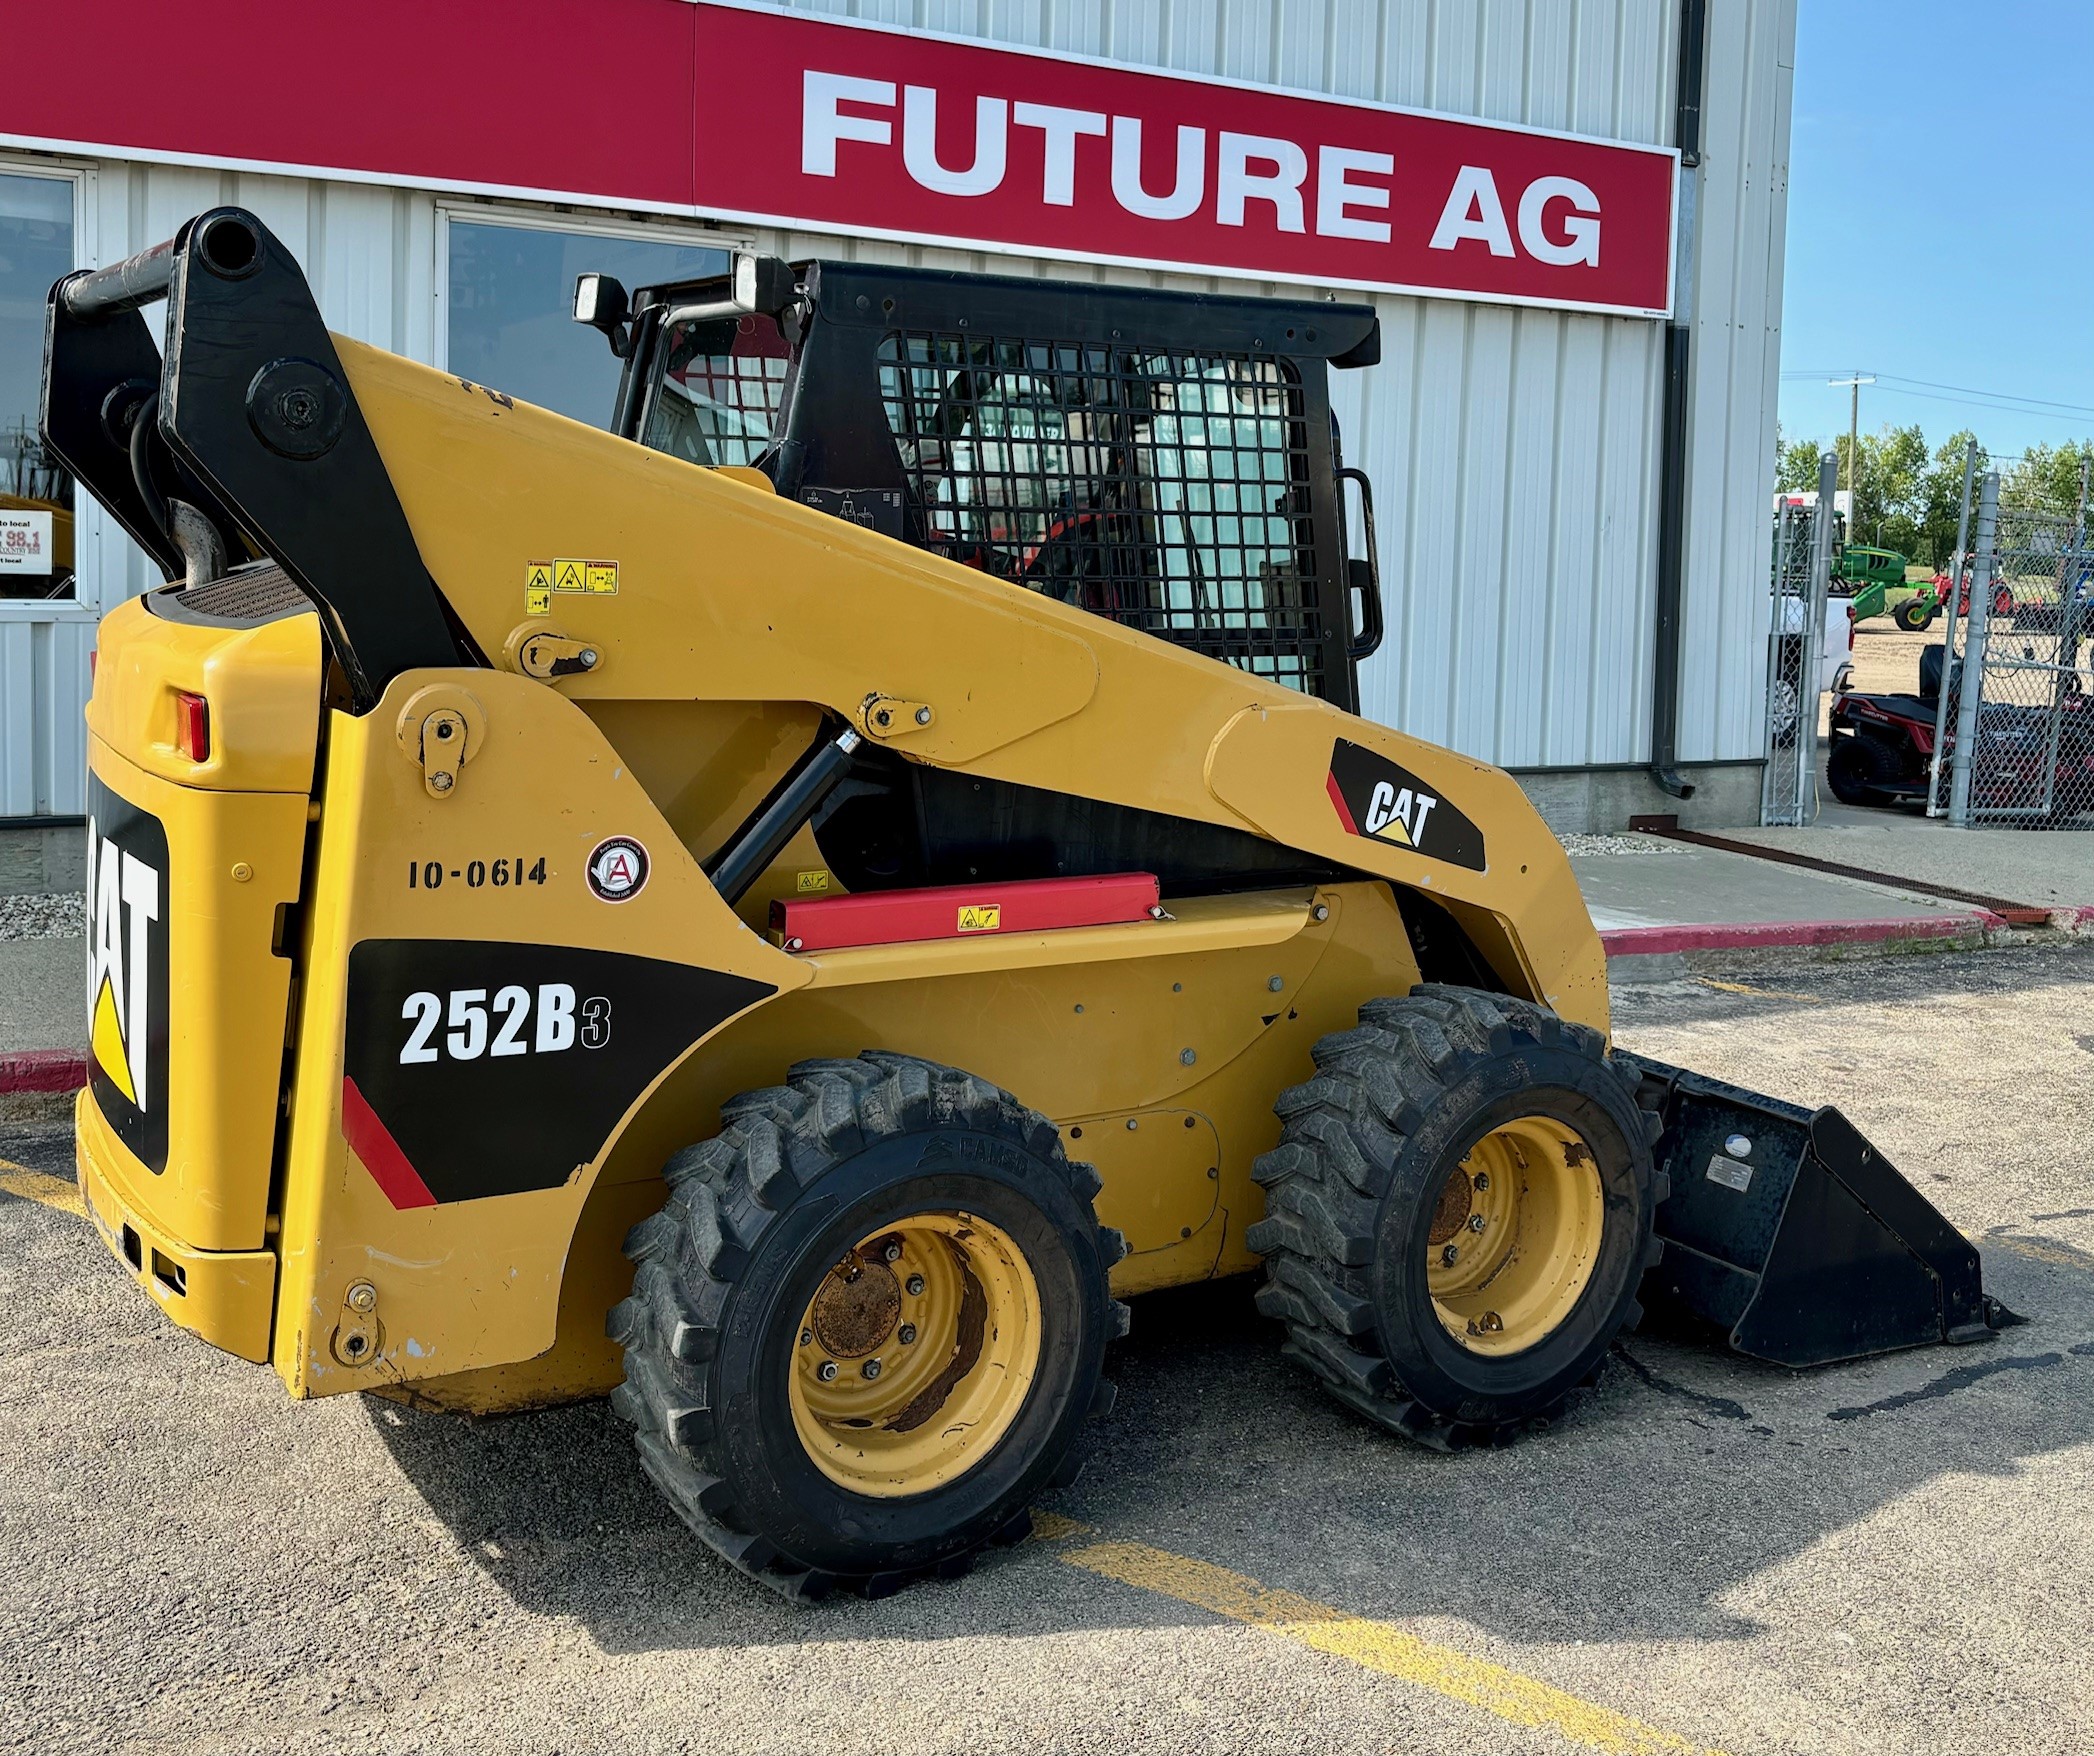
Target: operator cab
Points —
{"points": [[1167, 460]]}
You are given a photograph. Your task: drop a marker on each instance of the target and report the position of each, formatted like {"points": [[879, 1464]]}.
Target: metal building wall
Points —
{"points": [[1514, 452]]}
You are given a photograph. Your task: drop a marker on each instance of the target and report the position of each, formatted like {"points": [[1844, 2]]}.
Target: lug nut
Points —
{"points": [[1450, 1256], [871, 1369], [806, 1335], [1475, 1222], [826, 1371], [914, 1284], [1483, 1179], [893, 1251], [906, 1334]]}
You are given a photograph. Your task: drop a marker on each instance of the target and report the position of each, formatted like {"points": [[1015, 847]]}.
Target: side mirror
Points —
{"points": [[762, 283], [601, 302]]}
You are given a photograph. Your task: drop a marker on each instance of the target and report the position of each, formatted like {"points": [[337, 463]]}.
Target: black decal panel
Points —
{"points": [[495, 1067], [1376, 798], [127, 994]]}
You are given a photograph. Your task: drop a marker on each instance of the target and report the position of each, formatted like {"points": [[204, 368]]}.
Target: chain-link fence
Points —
{"points": [[1796, 654], [2020, 751]]}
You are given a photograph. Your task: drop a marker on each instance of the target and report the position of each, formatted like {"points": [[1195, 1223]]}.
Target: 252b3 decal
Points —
{"points": [[483, 1067], [514, 1022]]}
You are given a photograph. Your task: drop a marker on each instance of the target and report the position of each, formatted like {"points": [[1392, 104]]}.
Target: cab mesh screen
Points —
{"points": [[1166, 491]]}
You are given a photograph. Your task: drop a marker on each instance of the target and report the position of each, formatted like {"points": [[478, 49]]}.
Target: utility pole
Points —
{"points": [[1854, 442]]}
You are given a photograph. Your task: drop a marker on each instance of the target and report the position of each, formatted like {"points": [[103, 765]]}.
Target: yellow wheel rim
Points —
{"points": [[1515, 1235], [915, 1354]]}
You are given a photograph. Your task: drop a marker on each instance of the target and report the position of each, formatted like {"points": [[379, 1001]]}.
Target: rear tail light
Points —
{"points": [[192, 726]]}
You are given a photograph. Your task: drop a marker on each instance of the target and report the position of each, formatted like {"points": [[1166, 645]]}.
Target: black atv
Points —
{"points": [[1881, 744]]}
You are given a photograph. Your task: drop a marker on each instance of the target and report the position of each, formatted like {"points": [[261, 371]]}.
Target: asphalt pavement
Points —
{"points": [[1707, 1554]]}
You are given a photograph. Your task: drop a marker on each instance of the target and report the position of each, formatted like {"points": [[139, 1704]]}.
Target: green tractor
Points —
{"points": [[1873, 580]]}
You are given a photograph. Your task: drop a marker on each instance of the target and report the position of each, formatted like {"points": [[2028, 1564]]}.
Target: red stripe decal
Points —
{"points": [[1330, 785], [373, 1142], [953, 911]]}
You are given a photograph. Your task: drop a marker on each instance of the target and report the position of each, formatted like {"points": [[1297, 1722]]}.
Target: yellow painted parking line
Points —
{"points": [[1052, 1527], [1383, 1648], [1757, 993], [39, 1186], [2035, 1249]]}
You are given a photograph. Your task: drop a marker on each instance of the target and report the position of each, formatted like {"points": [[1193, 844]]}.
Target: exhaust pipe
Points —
{"points": [[1793, 1235], [203, 549]]}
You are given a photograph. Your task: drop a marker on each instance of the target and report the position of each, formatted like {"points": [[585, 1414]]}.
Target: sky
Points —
{"points": [[1939, 228]]}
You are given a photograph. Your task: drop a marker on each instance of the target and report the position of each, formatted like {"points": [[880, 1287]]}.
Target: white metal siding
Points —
{"points": [[43, 686], [1514, 452]]}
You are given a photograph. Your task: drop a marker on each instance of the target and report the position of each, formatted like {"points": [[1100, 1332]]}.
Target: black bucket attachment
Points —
{"points": [[1792, 1234]]}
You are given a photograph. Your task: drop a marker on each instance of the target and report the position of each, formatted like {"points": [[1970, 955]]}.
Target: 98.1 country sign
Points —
{"points": [[26, 541]]}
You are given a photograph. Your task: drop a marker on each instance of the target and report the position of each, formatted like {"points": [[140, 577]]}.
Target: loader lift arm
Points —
{"points": [[248, 419]]}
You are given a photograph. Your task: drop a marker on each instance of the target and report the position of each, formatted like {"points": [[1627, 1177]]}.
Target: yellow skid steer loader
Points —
{"points": [[789, 910]]}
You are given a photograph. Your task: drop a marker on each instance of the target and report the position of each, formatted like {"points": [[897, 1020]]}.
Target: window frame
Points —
{"points": [[625, 229], [89, 524]]}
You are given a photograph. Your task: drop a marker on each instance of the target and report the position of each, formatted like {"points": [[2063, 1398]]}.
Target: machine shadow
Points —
{"points": [[1680, 1477]]}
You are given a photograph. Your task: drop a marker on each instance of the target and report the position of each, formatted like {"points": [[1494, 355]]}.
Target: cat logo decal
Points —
{"points": [[127, 923], [1377, 799]]}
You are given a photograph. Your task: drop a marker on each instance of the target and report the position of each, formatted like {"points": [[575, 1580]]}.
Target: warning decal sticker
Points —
{"points": [[566, 573], [1380, 801], [980, 917]]}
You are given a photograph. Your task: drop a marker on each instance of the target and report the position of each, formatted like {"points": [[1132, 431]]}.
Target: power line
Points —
{"points": [[2004, 400]]}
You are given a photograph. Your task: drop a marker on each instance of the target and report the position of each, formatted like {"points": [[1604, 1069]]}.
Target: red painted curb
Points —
{"points": [[43, 1070], [1752, 935]]}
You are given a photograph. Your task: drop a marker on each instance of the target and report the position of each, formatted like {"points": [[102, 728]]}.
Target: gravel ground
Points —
{"points": [[62, 916], [1872, 1560], [1580, 845]]}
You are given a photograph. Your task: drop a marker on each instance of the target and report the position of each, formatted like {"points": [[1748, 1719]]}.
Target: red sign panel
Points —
{"points": [[742, 112], [855, 129]]}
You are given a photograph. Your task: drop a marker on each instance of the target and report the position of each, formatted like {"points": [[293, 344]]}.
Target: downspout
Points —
{"points": [[1672, 463]]}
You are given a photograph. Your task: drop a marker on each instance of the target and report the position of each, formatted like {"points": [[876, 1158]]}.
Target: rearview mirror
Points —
{"points": [[762, 283], [601, 302]]}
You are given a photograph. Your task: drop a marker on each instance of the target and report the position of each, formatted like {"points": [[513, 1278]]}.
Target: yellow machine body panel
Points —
{"points": [[715, 590], [192, 869], [518, 991]]}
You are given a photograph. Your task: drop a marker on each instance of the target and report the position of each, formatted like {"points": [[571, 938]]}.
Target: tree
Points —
{"points": [[1940, 507], [1885, 486], [1795, 465], [2047, 478]]}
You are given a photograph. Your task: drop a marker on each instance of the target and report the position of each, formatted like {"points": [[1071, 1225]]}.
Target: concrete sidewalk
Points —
{"points": [[2050, 869], [1671, 897]]}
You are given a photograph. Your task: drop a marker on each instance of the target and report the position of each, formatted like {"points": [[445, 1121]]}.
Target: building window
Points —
{"points": [[511, 308], [36, 496]]}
